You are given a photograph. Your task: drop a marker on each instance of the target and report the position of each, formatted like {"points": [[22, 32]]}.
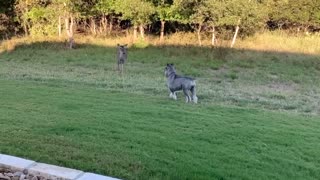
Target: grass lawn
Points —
{"points": [[258, 116], [132, 136]]}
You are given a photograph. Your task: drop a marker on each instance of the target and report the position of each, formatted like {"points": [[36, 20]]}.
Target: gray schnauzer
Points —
{"points": [[178, 83], [121, 56]]}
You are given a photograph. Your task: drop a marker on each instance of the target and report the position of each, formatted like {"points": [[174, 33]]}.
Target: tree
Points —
{"points": [[214, 10], [294, 13], [87, 11], [314, 13], [107, 9], [22, 7], [191, 12], [38, 18], [183, 10], [137, 11], [70, 12], [164, 12], [225, 13], [199, 16], [45, 17], [246, 14], [6, 17]]}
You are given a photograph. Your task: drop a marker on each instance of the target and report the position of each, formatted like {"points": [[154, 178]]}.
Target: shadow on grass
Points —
{"points": [[198, 57], [201, 62]]}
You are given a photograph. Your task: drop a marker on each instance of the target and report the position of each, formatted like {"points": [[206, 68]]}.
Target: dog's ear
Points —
{"points": [[172, 64], [118, 44], [125, 45], [167, 64]]}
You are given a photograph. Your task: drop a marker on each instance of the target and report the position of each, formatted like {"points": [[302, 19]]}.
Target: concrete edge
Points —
{"points": [[14, 163], [47, 170]]}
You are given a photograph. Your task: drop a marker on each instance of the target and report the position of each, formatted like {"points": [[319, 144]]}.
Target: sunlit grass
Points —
{"points": [[132, 136], [257, 117], [239, 77], [281, 42], [276, 41]]}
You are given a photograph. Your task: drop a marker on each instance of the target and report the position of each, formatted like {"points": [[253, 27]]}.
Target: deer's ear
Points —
{"points": [[125, 45], [172, 64], [167, 64], [118, 44]]}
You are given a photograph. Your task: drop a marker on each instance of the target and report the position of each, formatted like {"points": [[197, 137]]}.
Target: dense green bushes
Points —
{"points": [[50, 17]]}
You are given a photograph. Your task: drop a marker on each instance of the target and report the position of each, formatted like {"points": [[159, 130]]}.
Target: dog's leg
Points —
{"points": [[187, 99], [193, 94], [187, 95], [195, 99], [174, 96]]}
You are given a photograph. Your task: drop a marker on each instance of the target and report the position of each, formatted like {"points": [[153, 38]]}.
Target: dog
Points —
{"points": [[177, 83]]}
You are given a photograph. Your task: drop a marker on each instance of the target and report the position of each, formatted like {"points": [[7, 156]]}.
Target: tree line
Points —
{"points": [[102, 17]]}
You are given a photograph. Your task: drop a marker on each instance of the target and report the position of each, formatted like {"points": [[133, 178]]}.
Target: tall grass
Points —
{"points": [[279, 41], [276, 41], [279, 79]]}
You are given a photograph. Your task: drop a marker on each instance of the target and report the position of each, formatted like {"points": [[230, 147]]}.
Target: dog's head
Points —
{"points": [[169, 69]]}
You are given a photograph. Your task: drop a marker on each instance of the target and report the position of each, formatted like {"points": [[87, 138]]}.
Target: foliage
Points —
{"points": [[137, 11], [251, 15], [294, 13], [164, 10], [183, 10], [106, 6]]}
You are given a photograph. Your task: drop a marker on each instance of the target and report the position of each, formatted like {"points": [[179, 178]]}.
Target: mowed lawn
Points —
{"points": [[136, 137], [70, 108]]}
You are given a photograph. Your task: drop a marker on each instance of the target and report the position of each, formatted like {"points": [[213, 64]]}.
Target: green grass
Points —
{"points": [[144, 137], [224, 76], [257, 117]]}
